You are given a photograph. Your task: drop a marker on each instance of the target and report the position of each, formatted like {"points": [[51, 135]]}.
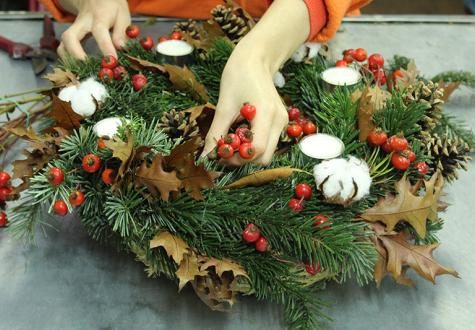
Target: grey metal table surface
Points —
{"points": [[68, 281]]}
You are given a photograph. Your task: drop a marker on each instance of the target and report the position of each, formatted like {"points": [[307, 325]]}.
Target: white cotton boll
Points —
{"points": [[82, 103], [332, 187], [279, 79], [299, 54], [360, 172], [67, 93], [95, 88], [313, 49], [107, 127]]}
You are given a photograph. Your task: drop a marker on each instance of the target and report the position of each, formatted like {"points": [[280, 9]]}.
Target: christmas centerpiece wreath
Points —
{"points": [[353, 190]]}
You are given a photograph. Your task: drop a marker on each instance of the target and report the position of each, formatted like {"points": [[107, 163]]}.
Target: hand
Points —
{"points": [[248, 77], [96, 17]]}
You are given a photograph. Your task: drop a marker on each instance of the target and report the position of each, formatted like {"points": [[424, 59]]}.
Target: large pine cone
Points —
{"points": [[234, 26], [177, 125]]}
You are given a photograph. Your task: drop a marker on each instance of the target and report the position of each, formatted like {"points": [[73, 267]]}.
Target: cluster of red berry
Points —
{"points": [[133, 31], [375, 64], [241, 140], [76, 198], [252, 234], [176, 35], [5, 191], [299, 125], [91, 163], [112, 70], [302, 191], [402, 154]]}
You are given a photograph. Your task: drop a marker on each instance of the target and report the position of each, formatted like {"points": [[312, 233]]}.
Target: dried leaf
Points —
{"points": [[207, 33], [448, 88], [56, 134], [183, 79], [188, 270], [29, 134], [263, 177], [139, 65], [121, 150], [157, 180], [224, 265], [63, 114], [61, 78], [401, 254], [408, 207], [203, 115], [372, 99], [175, 247], [409, 76]]}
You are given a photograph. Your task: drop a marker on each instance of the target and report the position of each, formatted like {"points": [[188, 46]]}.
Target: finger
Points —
{"points": [[71, 39], [61, 51], [273, 141], [222, 121], [261, 127], [103, 39], [118, 35]]}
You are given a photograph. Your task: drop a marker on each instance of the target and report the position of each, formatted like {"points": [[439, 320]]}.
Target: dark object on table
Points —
{"points": [[39, 56]]}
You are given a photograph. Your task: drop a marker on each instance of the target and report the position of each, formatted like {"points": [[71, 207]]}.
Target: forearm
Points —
{"points": [[283, 28]]}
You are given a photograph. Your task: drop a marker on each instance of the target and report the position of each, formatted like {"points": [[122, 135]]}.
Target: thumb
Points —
{"points": [[222, 121]]}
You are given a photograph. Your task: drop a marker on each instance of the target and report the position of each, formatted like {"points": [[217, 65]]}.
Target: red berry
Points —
{"points": [[400, 161], [303, 190], [244, 134], [251, 233], [321, 219], [341, 64], [4, 179], [248, 111], [410, 155], [387, 147], [294, 113], [132, 31], [176, 35], [376, 61], [3, 219], [349, 52], [398, 143], [106, 74], [147, 42], [100, 143], [120, 73], [262, 244], [225, 151], [312, 269], [301, 121], [91, 163], [55, 176], [107, 176], [247, 150], [220, 142], [377, 137], [139, 81], [309, 128], [379, 76], [233, 140], [76, 198], [422, 168], [162, 39], [4, 193], [109, 62], [348, 59], [294, 131], [360, 54], [296, 204], [397, 74], [60, 208]]}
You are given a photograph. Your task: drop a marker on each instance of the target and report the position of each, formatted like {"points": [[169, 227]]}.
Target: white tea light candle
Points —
{"points": [[341, 76], [175, 51], [321, 146]]}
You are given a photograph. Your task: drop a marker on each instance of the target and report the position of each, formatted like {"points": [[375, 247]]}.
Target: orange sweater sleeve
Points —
{"points": [[336, 10], [58, 13]]}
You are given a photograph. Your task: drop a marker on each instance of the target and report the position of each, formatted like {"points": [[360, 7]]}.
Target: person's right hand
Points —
{"points": [[97, 18]]}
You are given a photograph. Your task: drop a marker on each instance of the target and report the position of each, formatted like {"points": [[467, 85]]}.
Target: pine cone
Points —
{"points": [[449, 155], [177, 125], [188, 27], [233, 25], [429, 94]]}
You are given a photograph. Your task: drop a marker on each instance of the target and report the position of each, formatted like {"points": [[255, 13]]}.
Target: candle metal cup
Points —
{"points": [[176, 52], [338, 77]]}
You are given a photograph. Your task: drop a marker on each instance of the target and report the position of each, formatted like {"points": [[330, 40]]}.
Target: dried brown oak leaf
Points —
{"points": [[63, 114], [203, 115], [183, 79], [400, 255], [121, 150], [409, 76], [448, 88], [372, 99], [61, 78], [188, 269], [157, 180], [140, 64], [224, 265], [175, 247], [406, 206]]}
